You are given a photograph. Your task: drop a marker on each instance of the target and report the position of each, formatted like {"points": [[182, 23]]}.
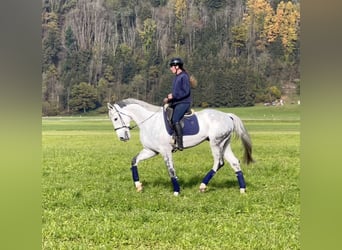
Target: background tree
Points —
{"points": [[259, 14], [148, 34], [272, 94], [51, 41], [51, 91], [287, 19], [83, 97]]}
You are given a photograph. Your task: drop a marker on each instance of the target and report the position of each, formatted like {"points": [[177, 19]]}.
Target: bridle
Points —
{"points": [[123, 124]]}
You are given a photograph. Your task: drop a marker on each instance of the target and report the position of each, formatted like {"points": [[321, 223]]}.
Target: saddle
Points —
{"points": [[189, 122]]}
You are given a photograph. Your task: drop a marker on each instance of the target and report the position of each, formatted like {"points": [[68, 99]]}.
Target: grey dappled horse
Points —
{"points": [[214, 126]]}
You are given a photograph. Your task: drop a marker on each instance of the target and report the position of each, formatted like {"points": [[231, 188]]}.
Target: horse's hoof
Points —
{"points": [[175, 193], [202, 187], [242, 190], [139, 187]]}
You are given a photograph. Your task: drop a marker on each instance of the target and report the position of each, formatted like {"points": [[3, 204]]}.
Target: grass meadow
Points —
{"points": [[89, 200]]}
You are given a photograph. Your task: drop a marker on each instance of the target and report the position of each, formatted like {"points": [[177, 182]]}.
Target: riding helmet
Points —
{"points": [[176, 61]]}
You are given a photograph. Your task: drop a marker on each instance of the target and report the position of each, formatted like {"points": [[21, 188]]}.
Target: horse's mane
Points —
{"points": [[146, 105]]}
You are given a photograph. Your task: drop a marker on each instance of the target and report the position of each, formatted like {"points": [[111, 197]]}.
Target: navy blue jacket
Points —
{"points": [[181, 90]]}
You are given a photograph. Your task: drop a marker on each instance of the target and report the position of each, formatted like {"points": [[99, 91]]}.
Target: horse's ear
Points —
{"points": [[109, 106]]}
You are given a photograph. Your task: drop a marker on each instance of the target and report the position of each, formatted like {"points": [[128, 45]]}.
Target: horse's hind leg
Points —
{"points": [[172, 173], [143, 155], [217, 151], [235, 164]]}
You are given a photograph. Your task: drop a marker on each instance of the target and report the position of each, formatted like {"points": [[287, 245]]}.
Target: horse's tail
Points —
{"points": [[241, 132]]}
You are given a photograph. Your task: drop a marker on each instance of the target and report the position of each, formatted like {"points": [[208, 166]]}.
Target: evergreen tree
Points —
{"points": [[83, 97]]}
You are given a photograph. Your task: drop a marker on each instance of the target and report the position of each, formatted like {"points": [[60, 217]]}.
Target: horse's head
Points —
{"points": [[120, 121]]}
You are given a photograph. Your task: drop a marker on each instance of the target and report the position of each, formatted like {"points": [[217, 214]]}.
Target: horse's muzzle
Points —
{"points": [[125, 137]]}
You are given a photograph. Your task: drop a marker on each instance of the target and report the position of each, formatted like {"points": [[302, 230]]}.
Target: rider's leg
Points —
{"points": [[179, 135], [178, 113]]}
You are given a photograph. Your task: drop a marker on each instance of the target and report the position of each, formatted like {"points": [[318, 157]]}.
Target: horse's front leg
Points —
{"points": [[172, 172], [143, 155]]}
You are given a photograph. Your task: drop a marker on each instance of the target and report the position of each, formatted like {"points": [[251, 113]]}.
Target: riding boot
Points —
{"points": [[179, 135]]}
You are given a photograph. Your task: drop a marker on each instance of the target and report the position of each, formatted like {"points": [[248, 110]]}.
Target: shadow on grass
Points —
{"points": [[166, 182], [194, 181]]}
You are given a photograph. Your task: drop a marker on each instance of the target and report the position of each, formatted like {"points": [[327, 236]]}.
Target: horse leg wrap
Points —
{"points": [[208, 177], [175, 184], [135, 174], [241, 179]]}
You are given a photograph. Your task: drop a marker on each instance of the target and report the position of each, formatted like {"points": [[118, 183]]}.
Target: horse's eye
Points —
{"points": [[115, 119]]}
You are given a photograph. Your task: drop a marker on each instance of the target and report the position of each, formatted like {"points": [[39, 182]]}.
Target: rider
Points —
{"points": [[180, 98]]}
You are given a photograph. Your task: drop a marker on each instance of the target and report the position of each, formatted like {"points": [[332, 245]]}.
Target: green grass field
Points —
{"points": [[90, 202]]}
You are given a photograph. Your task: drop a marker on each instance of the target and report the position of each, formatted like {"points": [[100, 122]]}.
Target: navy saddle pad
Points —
{"points": [[189, 124]]}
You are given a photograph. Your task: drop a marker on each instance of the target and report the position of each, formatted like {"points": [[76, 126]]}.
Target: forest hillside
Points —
{"points": [[98, 51]]}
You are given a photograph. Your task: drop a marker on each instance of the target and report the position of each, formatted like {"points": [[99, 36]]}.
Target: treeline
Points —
{"points": [[99, 51]]}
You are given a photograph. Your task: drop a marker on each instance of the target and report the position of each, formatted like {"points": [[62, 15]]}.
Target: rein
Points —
{"points": [[137, 124], [130, 127]]}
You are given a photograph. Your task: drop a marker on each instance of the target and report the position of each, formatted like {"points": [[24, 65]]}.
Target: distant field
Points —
{"points": [[89, 201]]}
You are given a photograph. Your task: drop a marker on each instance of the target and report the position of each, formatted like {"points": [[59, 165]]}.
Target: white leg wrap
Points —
{"points": [[242, 190]]}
